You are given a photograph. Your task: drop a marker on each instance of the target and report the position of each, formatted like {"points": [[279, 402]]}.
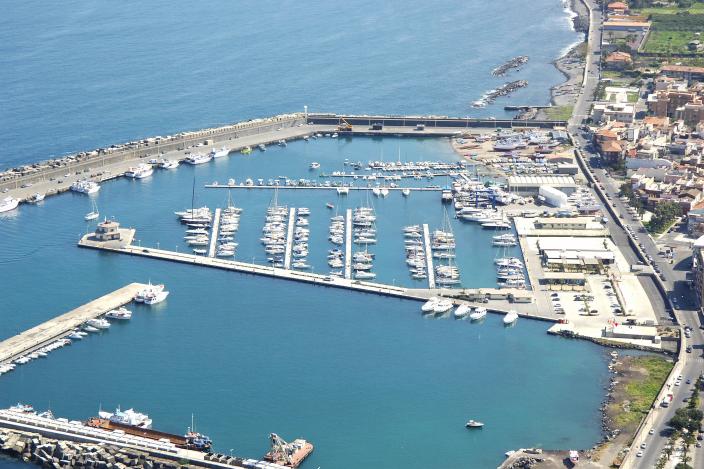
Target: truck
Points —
{"points": [[666, 400]]}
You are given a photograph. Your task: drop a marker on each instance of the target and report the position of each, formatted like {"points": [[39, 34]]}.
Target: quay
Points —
{"points": [[348, 244], [41, 335], [289, 238], [428, 256], [110, 162], [101, 443], [502, 299], [214, 233], [353, 188]]}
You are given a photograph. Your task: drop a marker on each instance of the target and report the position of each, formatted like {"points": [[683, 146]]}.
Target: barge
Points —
{"points": [[191, 440]]}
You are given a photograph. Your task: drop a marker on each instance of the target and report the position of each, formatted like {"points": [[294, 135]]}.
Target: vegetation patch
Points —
{"points": [[559, 113], [644, 377]]}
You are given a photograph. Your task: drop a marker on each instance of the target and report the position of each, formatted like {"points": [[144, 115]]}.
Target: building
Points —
{"points": [[530, 185], [698, 270], [575, 254], [616, 8], [108, 230], [695, 222], [684, 72], [627, 26], [572, 223], [618, 60], [619, 112]]}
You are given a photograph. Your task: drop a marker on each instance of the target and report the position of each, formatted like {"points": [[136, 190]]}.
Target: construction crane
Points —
{"points": [[280, 451], [344, 125]]}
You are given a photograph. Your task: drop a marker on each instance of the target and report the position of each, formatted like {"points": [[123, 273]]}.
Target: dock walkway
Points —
{"points": [[214, 233], [289, 238], [38, 336], [330, 188], [428, 256], [348, 244]]}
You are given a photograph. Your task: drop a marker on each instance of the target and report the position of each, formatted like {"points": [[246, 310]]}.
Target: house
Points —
{"points": [[611, 150], [617, 8], [618, 60], [620, 112], [627, 26]]}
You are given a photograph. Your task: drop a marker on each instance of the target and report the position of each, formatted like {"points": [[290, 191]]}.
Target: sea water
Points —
{"points": [[79, 74], [357, 374]]}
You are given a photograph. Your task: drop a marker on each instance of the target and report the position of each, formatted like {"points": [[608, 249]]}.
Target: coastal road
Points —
{"points": [[678, 306]]}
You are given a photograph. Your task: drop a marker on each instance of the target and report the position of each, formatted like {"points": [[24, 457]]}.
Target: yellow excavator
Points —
{"points": [[344, 126]]}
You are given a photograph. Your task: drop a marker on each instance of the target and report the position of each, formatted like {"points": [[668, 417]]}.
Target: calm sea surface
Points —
{"points": [[79, 74], [367, 379]]}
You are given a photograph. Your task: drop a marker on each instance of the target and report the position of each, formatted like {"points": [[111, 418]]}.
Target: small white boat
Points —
{"points": [[462, 311], [429, 306], [9, 203], [443, 305], [478, 313], [36, 198], [120, 313], [511, 317], [91, 216], [474, 424], [406, 192], [98, 323], [314, 165]]}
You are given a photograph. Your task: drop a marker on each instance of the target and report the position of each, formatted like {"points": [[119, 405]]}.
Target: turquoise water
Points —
{"points": [[80, 74], [354, 373]]}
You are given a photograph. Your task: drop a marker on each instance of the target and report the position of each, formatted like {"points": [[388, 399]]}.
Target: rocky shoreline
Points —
{"points": [[571, 65]]}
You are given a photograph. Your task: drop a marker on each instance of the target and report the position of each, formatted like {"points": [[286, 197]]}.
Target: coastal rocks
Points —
{"points": [[503, 90], [515, 62], [525, 462], [57, 454]]}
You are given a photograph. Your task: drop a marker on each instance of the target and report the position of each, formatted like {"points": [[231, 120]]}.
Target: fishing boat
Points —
{"points": [[246, 150], [98, 323], [139, 172], [84, 186], [153, 298], [224, 151]]}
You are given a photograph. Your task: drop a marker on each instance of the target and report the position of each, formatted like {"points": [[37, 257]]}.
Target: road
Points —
{"points": [[678, 306]]}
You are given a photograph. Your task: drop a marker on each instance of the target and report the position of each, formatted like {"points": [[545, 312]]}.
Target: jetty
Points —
{"points": [[289, 237], [60, 326], [348, 244], [214, 233], [428, 256], [315, 187]]}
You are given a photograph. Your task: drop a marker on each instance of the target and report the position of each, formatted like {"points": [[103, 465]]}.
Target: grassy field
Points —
{"points": [[640, 391], [664, 42], [696, 8], [559, 113]]}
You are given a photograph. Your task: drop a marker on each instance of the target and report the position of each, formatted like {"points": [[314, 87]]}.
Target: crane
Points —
{"points": [[344, 125]]}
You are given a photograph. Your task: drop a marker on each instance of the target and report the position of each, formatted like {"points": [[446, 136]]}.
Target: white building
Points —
{"points": [[553, 197]]}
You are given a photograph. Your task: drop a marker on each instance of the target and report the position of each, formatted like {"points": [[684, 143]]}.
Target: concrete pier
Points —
{"points": [[289, 238], [348, 244], [329, 188], [214, 233], [60, 326], [428, 256]]}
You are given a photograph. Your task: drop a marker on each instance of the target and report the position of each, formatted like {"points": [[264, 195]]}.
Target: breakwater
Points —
{"points": [[515, 62]]}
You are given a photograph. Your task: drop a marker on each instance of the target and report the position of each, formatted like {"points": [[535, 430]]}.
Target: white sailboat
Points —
{"points": [[94, 213]]}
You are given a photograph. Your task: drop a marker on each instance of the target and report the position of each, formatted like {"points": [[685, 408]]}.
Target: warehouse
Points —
{"points": [[530, 185]]}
